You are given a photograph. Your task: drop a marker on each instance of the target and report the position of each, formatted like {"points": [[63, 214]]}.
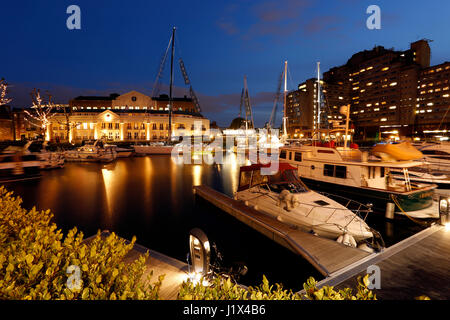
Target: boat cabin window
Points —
{"points": [[7, 159], [283, 154], [246, 177], [341, 172], [328, 170], [258, 178], [298, 156], [335, 171], [29, 157], [435, 153]]}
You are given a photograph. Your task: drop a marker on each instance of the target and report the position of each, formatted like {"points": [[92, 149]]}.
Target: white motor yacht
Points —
{"points": [[96, 152], [285, 197]]}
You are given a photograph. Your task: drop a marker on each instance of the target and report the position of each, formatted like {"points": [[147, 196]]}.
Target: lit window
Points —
{"points": [[393, 84], [383, 119], [393, 107], [385, 69]]}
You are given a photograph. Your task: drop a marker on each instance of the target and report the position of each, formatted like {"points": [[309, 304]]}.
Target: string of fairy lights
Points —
{"points": [[42, 113], [3, 87]]}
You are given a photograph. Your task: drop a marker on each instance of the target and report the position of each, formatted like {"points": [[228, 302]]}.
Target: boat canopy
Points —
{"points": [[250, 176], [397, 152]]}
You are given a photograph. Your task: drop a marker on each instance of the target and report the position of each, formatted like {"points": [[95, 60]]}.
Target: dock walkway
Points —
{"points": [[325, 255], [175, 271], [419, 265]]}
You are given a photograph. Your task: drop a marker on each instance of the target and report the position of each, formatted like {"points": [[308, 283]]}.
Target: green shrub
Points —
{"points": [[34, 260], [221, 288]]}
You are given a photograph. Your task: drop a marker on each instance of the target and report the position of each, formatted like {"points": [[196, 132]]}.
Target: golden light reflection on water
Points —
{"points": [[231, 167], [108, 181], [114, 180], [197, 175]]}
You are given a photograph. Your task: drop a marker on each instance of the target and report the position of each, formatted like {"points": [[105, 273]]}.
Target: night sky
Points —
{"points": [[120, 45]]}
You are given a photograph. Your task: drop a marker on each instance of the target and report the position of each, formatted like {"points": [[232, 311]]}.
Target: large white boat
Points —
{"points": [[437, 156], [350, 173], [49, 159], [96, 152], [121, 152], [17, 166], [285, 197]]}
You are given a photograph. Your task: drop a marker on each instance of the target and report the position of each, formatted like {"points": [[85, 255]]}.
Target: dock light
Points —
{"points": [[200, 251], [444, 211]]}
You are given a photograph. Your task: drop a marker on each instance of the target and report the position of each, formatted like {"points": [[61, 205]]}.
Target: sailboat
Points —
{"points": [[162, 147]]}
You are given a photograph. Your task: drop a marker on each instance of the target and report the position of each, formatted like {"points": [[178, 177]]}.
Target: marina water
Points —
{"points": [[151, 197]]}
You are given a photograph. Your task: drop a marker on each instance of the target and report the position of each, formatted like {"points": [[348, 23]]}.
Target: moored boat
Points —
{"points": [[96, 152], [349, 172], [17, 166], [49, 159], [285, 197], [153, 148]]}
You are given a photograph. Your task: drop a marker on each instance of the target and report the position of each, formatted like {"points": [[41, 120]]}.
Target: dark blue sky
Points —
{"points": [[121, 43]]}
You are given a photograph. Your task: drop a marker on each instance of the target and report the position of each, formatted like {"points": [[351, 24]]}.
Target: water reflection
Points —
{"points": [[151, 197]]}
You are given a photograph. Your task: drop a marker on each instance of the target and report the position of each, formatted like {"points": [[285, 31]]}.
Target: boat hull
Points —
{"points": [[147, 150], [410, 203]]}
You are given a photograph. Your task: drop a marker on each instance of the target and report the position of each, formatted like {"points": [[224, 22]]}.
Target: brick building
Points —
{"points": [[387, 90]]}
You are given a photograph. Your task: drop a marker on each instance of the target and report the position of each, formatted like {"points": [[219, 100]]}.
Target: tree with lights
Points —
{"points": [[40, 113], [68, 126], [3, 88]]}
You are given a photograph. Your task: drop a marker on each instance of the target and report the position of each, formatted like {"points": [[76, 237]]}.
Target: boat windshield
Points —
{"points": [[293, 187]]}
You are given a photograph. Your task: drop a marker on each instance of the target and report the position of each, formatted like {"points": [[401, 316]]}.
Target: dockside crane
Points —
{"points": [[188, 83], [248, 107], [273, 115]]}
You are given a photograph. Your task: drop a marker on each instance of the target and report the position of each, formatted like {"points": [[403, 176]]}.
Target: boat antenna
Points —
{"points": [[285, 102], [318, 101], [171, 85]]}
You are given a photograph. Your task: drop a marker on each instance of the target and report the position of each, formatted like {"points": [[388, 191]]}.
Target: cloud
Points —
{"points": [[276, 11], [321, 24], [228, 26]]}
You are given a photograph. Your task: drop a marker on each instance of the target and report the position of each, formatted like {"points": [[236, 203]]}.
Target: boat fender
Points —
{"points": [[353, 242], [279, 218], [256, 207], [349, 241], [340, 239], [246, 203], [366, 248]]}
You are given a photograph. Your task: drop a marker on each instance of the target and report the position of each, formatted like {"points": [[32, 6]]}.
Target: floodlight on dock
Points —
{"points": [[200, 252], [444, 210]]}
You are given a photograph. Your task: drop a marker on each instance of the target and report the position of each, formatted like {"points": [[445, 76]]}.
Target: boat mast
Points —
{"points": [[285, 104], [318, 101], [171, 85]]}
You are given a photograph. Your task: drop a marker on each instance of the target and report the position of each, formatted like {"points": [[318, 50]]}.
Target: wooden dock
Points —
{"points": [[419, 265], [325, 255], [175, 271]]}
